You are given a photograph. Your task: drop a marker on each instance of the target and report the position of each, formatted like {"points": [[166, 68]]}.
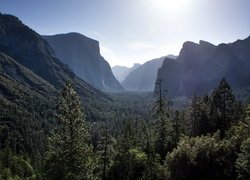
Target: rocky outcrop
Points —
{"points": [[200, 67], [82, 55], [28, 49]]}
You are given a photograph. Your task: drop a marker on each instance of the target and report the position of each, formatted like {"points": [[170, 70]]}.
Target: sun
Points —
{"points": [[170, 5]]}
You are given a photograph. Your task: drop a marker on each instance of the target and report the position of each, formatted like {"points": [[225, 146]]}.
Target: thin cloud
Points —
{"points": [[106, 50], [128, 34], [109, 55], [140, 45], [153, 30], [173, 48], [97, 34]]}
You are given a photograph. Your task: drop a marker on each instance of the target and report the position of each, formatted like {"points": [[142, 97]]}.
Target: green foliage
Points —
{"points": [[15, 166], [69, 155], [195, 115], [134, 149], [106, 151], [248, 114], [243, 160], [144, 147], [200, 116], [164, 141], [226, 107], [176, 128], [130, 164], [237, 134], [122, 166], [138, 159], [204, 157]]}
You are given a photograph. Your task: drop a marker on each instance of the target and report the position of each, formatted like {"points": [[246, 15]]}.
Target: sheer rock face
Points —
{"points": [[82, 55], [29, 49], [31, 60], [200, 67]]}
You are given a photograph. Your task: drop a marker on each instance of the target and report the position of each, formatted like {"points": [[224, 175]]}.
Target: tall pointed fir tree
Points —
{"points": [[224, 100], [176, 127], [70, 156], [194, 115], [206, 124], [123, 166], [106, 149], [247, 113], [162, 126]]}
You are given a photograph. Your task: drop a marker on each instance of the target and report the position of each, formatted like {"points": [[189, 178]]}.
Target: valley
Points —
{"points": [[66, 114]]}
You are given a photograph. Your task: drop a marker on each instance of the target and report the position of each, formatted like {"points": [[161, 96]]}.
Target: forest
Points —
{"points": [[136, 136], [125, 90]]}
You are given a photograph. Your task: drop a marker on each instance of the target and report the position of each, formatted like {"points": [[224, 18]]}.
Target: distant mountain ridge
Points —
{"points": [[143, 78], [121, 72], [82, 55], [200, 67]]}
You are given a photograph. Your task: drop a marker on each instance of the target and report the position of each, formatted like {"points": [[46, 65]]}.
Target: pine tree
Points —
{"points": [[163, 128], [243, 161], [195, 115], [206, 124], [226, 106], [123, 165], [247, 119], [176, 127], [107, 152], [152, 164], [70, 155]]}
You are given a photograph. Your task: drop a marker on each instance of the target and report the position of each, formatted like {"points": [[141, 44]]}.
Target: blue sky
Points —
{"points": [[131, 31]]}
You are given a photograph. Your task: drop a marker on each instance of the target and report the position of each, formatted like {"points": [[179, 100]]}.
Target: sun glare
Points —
{"points": [[170, 5]]}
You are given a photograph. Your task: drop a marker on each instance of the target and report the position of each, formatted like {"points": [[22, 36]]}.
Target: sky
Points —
{"points": [[135, 31]]}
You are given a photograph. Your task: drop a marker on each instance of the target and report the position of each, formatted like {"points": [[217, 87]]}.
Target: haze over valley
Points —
{"points": [[114, 90]]}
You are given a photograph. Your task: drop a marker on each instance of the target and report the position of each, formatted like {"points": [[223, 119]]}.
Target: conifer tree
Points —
{"points": [[206, 124], [195, 114], [243, 161], [226, 106], [176, 127], [152, 164], [123, 166], [107, 152], [247, 119], [70, 155], [162, 126]]}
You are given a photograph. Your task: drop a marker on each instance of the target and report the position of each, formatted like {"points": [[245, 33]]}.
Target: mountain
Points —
{"points": [[143, 78], [82, 55], [200, 67], [121, 72], [25, 100], [31, 80], [20, 84], [29, 71]]}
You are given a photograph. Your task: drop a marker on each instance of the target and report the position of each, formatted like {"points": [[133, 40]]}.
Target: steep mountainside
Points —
{"points": [[28, 48], [31, 75], [143, 78], [199, 67], [82, 55], [27, 104], [30, 82], [121, 72], [19, 83]]}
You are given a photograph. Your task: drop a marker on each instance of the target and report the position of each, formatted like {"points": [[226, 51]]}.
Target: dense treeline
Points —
{"points": [[210, 139]]}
